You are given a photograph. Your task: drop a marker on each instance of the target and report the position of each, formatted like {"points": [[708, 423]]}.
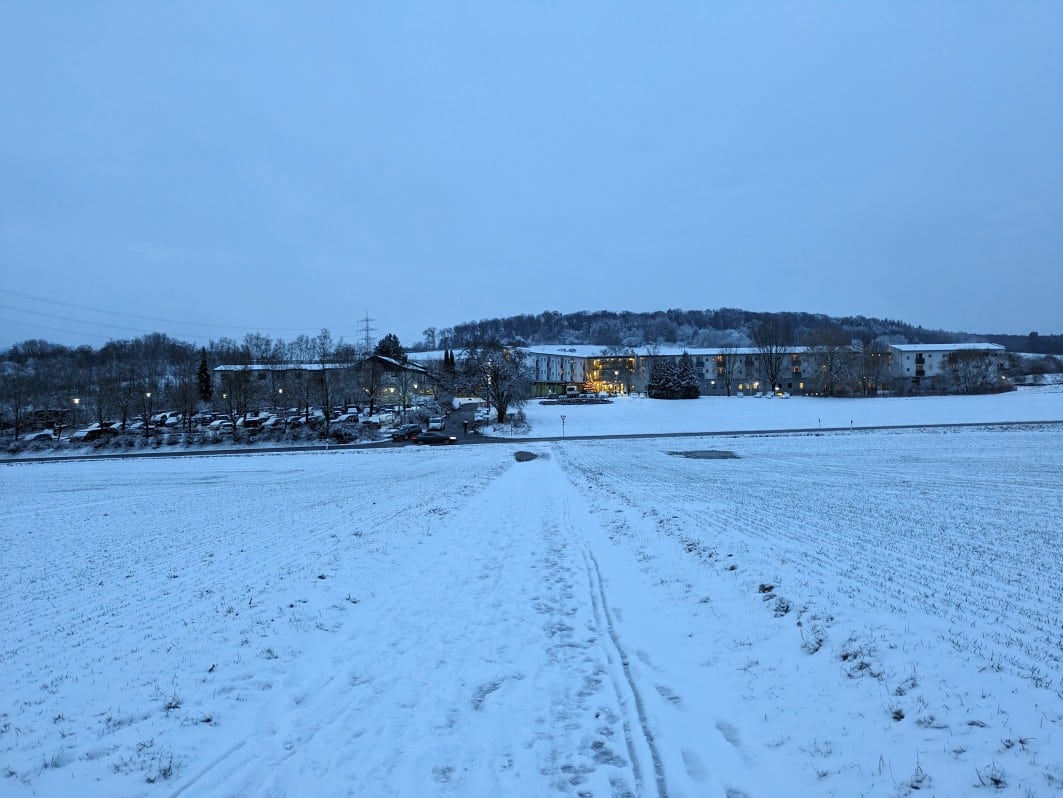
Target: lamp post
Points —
{"points": [[562, 425], [77, 401]]}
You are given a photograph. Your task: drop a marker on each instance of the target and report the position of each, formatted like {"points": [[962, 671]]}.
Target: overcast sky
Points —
{"points": [[211, 169]]}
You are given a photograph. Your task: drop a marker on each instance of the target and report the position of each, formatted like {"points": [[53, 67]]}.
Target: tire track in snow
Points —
{"points": [[638, 734]]}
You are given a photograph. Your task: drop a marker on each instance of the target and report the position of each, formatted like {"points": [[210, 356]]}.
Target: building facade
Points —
{"points": [[967, 367]]}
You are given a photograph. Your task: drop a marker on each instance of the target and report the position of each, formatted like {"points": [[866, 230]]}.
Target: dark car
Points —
{"points": [[434, 438], [95, 433], [406, 432]]}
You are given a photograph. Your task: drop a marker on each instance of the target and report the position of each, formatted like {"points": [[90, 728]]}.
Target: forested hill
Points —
{"points": [[705, 328]]}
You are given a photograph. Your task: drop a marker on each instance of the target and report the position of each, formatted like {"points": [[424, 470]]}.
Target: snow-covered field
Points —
{"points": [[639, 415], [835, 613]]}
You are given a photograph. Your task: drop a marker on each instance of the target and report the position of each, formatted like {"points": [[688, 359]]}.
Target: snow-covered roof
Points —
{"points": [[588, 351], [281, 366], [595, 351], [411, 366], [968, 346]]}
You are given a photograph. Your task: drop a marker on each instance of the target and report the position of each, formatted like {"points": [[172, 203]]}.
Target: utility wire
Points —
{"points": [[143, 318], [53, 329]]}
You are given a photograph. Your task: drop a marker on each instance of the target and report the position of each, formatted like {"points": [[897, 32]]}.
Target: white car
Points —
{"points": [[437, 423]]}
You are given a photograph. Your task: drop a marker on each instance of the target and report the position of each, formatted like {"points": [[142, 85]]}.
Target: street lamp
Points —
{"points": [[77, 401]]}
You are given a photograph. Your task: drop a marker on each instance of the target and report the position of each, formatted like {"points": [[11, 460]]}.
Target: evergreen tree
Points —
{"points": [[660, 385], [689, 385], [203, 378], [389, 346], [670, 380]]}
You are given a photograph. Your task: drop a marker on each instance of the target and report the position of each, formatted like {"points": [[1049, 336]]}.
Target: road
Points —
{"points": [[472, 437]]}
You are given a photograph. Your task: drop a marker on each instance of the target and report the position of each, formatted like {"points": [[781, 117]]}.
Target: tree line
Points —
{"points": [[49, 385], [44, 384], [702, 329]]}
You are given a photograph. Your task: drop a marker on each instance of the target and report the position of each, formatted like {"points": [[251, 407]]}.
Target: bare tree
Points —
{"points": [[372, 374], [302, 380], [829, 352], [323, 349], [870, 367], [117, 389], [643, 368], [404, 380], [771, 340], [14, 395], [235, 381], [971, 371], [727, 362], [183, 389], [501, 374]]}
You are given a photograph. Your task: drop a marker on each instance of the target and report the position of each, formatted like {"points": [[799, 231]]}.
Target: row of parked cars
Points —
{"points": [[433, 435], [347, 424]]}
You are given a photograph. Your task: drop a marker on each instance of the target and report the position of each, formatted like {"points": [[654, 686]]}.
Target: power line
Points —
{"points": [[54, 329], [129, 330], [66, 318], [144, 318]]}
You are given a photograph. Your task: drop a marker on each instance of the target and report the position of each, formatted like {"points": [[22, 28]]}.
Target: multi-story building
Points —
{"points": [[962, 365], [721, 372], [746, 371]]}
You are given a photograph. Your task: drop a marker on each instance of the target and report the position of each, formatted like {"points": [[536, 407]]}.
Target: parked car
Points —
{"points": [[437, 423], [42, 435], [94, 433], [434, 438], [406, 432], [343, 433], [221, 425]]}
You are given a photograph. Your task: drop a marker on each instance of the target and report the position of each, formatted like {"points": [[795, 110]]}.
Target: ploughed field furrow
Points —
{"points": [[135, 602], [958, 527]]}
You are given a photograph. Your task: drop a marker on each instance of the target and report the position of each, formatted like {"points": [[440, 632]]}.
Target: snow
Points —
{"points": [[715, 414], [832, 613]]}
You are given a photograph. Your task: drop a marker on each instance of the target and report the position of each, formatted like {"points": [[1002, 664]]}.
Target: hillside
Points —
{"points": [[707, 328]]}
